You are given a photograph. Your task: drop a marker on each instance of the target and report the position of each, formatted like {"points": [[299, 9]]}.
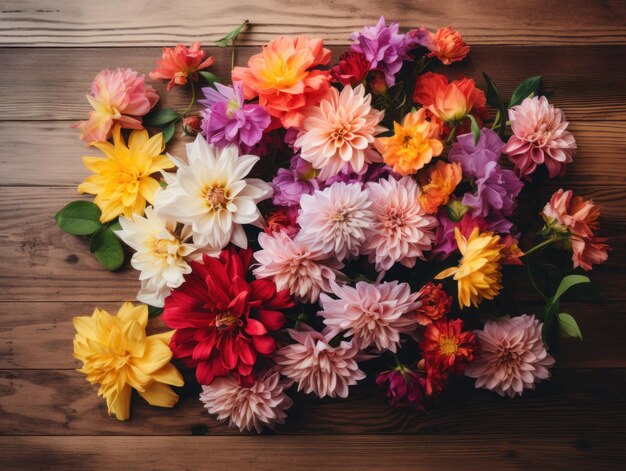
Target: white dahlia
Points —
{"points": [[212, 194]]}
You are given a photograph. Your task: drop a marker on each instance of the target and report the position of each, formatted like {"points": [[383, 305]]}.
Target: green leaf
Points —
{"points": [[160, 118], [115, 226], [79, 218], [154, 311], [163, 184], [209, 77], [230, 38], [568, 326], [168, 132], [528, 88], [475, 128], [567, 283], [493, 95], [107, 248]]}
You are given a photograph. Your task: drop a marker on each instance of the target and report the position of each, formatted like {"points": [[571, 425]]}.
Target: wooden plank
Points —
{"points": [[571, 75], [50, 323], [119, 23], [58, 144], [266, 453], [573, 402], [41, 263]]}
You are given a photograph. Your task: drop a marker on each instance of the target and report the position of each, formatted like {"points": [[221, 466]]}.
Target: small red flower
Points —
{"points": [[180, 64], [403, 388], [351, 68], [447, 347], [283, 219], [436, 303], [222, 321]]}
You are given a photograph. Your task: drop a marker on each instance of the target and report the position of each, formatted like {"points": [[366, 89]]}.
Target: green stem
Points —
{"points": [[451, 136], [533, 283], [193, 99], [541, 245], [232, 56]]}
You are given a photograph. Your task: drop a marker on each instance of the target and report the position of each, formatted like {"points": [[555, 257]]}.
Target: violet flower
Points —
{"points": [[290, 184]]}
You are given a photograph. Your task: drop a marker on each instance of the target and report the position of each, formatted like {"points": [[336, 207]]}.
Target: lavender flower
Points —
{"points": [[228, 119], [290, 184], [371, 173], [475, 157]]}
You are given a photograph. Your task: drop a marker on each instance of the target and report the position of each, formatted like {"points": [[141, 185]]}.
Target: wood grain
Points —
{"points": [[61, 402], [163, 22], [571, 77], [268, 453]]}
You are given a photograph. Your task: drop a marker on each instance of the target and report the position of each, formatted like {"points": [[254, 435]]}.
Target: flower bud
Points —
{"points": [[192, 124], [456, 210], [376, 82]]}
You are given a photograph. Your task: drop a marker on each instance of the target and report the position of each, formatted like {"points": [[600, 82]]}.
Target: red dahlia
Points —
{"points": [[222, 321], [351, 68], [446, 347]]}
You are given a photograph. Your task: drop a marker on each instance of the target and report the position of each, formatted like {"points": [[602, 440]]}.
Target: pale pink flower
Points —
{"points": [[340, 131], [293, 266], [512, 356], [373, 314], [261, 404], [117, 97], [539, 136], [318, 367], [402, 231], [334, 220]]}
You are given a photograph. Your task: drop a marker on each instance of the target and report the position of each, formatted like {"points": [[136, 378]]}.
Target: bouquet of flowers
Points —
{"points": [[330, 218]]}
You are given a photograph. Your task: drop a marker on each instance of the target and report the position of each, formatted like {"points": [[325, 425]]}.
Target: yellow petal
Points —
{"points": [[133, 338], [85, 326], [138, 139], [446, 273], [119, 403], [169, 375], [148, 188], [156, 355], [130, 312], [160, 162], [159, 395], [154, 146]]}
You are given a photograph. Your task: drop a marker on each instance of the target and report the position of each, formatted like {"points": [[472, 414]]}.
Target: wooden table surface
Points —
{"points": [[50, 417]]}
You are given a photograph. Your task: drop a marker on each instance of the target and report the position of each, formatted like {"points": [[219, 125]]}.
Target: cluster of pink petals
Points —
{"points": [[540, 136], [261, 404], [293, 266], [180, 64], [512, 356], [340, 131], [374, 315], [402, 231], [117, 97], [317, 366]]}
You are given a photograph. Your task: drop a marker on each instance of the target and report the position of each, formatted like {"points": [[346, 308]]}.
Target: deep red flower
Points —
{"points": [[436, 303], [351, 68], [403, 388], [222, 321], [447, 347], [283, 219]]}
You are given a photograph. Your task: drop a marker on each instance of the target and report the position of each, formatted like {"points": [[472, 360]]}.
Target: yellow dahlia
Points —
{"points": [[478, 274], [122, 181], [117, 354]]}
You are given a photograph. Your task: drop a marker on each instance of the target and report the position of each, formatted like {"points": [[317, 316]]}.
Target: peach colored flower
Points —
{"points": [[180, 64], [447, 45], [340, 131], [283, 78], [438, 183], [449, 101], [413, 144], [117, 97]]}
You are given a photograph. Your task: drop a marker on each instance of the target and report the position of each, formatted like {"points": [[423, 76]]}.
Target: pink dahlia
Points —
{"points": [[260, 404], [512, 356], [340, 131], [293, 266], [373, 315], [334, 220], [317, 366], [539, 136], [402, 231]]}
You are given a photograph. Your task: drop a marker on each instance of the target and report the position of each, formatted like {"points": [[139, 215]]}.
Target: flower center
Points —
{"points": [[227, 321], [340, 215], [394, 220], [448, 345], [341, 134], [216, 196], [162, 247]]}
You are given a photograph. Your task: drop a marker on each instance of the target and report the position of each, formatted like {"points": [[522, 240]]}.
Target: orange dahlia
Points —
{"points": [[447, 347], [438, 184]]}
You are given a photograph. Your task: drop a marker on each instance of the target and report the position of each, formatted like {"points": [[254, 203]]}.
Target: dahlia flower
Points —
{"points": [[117, 354], [260, 404], [540, 136], [222, 321], [447, 45], [569, 215], [446, 346], [414, 143], [293, 266], [181, 64], [212, 194], [285, 77], [340, 131], [290, 184], [437, 184], [227, 119], [403, 387], [334, 220], [374, 315], [435, 303], [445, 241], [401, 231], [511, 357], [351, 68], [117, 97], [122, 182], [161, 252], [478, 274], [450, 101], [317, 366]]}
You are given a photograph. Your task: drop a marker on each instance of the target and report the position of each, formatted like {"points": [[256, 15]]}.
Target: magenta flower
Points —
{"points": [[445, 243], [229, 120], [290, 184], [403, 388]]}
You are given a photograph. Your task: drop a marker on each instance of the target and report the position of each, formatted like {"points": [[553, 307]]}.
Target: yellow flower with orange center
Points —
{"points": [[414, 143], [117, 355], [478, 275], [122, 181], [438, 183]]}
